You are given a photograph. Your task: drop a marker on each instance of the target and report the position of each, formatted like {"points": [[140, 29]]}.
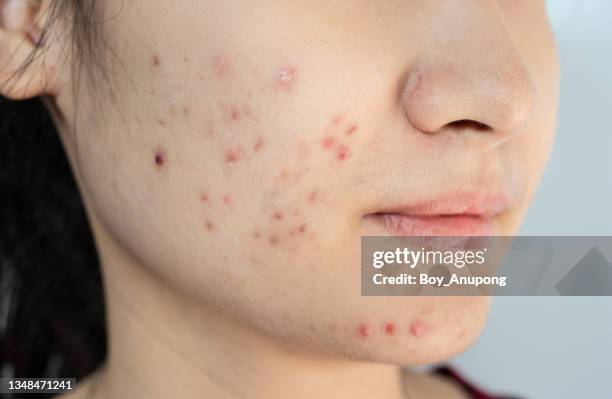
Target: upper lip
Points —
{"points": [[477, 204]]}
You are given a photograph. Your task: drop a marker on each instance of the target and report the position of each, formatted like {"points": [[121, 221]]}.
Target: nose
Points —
{"points": [[478, 81]]}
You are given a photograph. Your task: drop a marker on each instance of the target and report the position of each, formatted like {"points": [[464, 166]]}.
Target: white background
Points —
{"points": [[561, 347]]}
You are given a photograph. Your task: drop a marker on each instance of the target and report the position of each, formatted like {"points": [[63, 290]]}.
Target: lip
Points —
{"points": [[459, 214]]}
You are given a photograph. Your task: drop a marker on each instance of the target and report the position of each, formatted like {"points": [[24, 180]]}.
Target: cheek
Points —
{"points": [[250, 167]]}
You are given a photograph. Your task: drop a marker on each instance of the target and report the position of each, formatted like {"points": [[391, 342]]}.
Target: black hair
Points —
{"points": [[52, 320]]}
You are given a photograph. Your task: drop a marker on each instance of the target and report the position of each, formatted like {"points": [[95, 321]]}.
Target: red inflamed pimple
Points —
{"points": [[233, 155], [417, 329], [343, 153], [302, 229], [389, 328], [328, 142], [364, 331]]}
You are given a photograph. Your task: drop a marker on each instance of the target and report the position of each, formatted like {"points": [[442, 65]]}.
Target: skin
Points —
{"points": [[230, 165]]}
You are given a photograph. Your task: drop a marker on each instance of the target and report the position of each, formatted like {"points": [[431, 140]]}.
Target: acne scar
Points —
{"points": [[285, 77], [302, 228], [364, 331], [417, 329], [233, 155], [162, 122], [351, 130], [389, 328]]}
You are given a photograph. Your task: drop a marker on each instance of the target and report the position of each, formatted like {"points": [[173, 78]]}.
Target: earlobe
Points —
{"points": [[26, 70]]}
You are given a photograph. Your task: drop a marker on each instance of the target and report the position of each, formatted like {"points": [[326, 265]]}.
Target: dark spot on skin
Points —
{"points": [[186, 59], [351, 130], [302, 229], [273, 240], [186, 111], [389, 328], [256, 235], [328, 142], [364, 331], [159, 158], [233, 155], [209, 225], [162, 123], [343, 153], [156, 61], [278, 215], [204, 197]]}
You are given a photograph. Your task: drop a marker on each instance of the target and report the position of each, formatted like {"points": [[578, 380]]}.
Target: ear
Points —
{"points": [[25, 68]]}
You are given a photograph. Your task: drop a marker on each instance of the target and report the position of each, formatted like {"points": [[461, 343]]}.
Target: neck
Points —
{"points": [[165, 344]]}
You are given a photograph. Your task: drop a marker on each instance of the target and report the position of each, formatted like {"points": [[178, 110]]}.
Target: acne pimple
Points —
{"points": [[162, 123], [209, 225], [364, 330], [417, 329], [343, 152], [159, 157], [155, 61], [302, 228], [204, 197], [227, 200], [389, 328], [233, 155], [328, 142], [277, 215]]}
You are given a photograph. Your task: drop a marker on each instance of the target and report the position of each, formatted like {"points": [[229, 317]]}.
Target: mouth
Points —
{"points": [[464, 214]]}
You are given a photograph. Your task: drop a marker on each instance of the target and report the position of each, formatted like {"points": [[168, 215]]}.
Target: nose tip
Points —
{"points": [[491, 94]]}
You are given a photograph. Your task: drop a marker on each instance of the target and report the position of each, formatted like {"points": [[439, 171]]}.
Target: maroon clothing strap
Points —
{"points": [[470, 389]]}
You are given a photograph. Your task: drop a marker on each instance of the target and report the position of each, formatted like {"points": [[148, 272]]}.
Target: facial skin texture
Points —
{"points": [[236, 159]]}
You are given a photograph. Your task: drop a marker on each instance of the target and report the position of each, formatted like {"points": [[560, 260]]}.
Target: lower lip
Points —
{"points": [[437, 225]]}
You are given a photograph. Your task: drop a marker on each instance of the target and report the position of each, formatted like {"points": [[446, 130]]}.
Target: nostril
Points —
{"points": [[463, 124]]}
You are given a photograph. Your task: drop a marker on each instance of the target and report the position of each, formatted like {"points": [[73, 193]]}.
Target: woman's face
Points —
{"points": [[244, 147]]}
